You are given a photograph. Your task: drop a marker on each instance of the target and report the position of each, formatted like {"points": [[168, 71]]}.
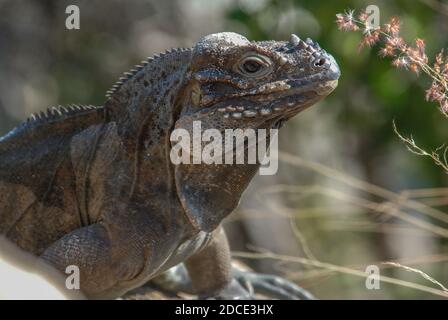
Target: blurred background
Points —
{"points": [[348, 193]]}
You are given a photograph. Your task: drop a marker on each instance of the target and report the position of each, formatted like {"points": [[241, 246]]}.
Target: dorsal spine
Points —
{"points": [[145, 64], [57, 112]]}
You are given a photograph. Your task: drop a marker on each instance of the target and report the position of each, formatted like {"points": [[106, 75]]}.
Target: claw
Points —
{"points": [[233, 291], [273, 286]]}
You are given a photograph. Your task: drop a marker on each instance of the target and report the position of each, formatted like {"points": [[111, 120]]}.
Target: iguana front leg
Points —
{"points": [[210, 274], [210, 271], [177, 280], [105, 269]]}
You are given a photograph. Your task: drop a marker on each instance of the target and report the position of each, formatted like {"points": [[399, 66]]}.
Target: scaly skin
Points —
{"points": [[95, 187]]}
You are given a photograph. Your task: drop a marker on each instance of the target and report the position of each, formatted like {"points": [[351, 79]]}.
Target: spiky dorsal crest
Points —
{"points": [[55, 121], [58, 112], [137, 68], [51, 115]]}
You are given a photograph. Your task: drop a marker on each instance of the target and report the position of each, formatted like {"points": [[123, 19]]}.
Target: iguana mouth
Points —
{"points": [[285, 103], [284, 97], [279, 123]]}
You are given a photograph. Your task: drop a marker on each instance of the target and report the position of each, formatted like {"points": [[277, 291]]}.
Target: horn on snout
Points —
{"points": [[295, 40]]}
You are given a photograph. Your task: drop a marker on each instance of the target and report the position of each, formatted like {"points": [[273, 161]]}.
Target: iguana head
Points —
{"points": [[245, 84], [234, 83]]}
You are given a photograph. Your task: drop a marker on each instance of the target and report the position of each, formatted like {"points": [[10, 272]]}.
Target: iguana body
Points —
{"points": [[94, 186]]}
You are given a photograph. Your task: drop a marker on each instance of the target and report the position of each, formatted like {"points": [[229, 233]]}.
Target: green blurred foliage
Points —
{"points": [[370, 96], [371, 93]]}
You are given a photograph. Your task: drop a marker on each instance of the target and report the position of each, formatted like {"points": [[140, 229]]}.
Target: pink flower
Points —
{"points": [[393, 26], [401, 62], [345, 21]]}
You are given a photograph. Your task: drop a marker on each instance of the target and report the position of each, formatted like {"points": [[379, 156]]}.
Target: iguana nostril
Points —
{"points": [[320, 62]]}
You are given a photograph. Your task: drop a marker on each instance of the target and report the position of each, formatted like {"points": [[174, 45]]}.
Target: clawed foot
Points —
{"points": [[271, 286], [233, 291], [245, 285]]}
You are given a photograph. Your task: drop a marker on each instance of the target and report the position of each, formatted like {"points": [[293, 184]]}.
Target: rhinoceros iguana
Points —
{"points": [[94, 186]]}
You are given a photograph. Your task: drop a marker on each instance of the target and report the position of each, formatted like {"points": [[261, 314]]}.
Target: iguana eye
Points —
{"points": [[254, 66]]}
